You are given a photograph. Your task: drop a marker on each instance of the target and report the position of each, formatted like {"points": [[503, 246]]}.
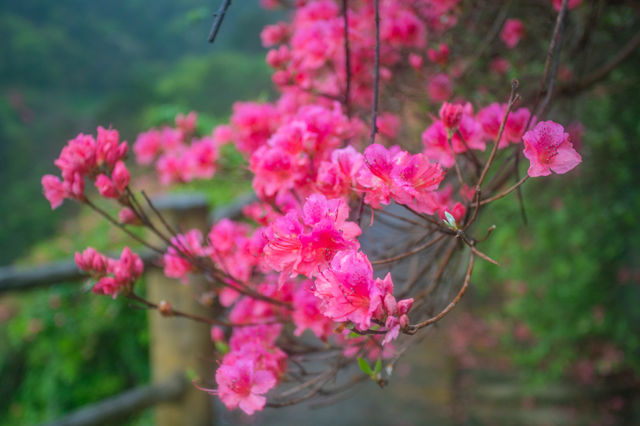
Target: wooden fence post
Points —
{"points": [[179, 344]]}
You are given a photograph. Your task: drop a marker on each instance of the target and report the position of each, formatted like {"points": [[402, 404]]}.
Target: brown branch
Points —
{"points": [[412, 329], [347, 58], [603, 72], [376, 77], [408, 253], [120, 226], [513, 97], [176, 313], [491, 35], [217, 22], [551, 52], [505, 192]]}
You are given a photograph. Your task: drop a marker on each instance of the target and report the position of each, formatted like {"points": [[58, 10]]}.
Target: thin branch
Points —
{"points": [[119, 225], [551, 52], [491, 35], [409, 253], [513, 97], [603, 72], [376, 77], [176, 313], [347, 58], [505, 192], [169, 228], [217, 22], [412, 329]]}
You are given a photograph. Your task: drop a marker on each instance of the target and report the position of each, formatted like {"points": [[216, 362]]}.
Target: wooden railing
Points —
{"points": [[176, 345]]}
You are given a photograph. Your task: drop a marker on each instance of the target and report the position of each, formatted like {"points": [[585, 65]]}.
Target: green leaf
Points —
{"points": [[364, 366], [378, 367], [451, 221], [222, 347]]}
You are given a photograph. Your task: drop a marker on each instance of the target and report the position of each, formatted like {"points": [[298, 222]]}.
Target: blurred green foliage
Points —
{"points": [[571, 275], [66, 67]]}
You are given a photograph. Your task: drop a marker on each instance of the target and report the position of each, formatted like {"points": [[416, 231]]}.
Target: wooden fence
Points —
{"points": [[176, 345]]}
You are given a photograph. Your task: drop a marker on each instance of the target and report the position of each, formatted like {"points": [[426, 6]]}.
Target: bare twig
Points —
{"points": [[347, 58], [217, 22], [505, 192], [408, 253], [603, 72], [376, 77], [412, 329]]}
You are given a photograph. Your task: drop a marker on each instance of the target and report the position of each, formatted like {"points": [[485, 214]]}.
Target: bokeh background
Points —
{"points": [[550, 337]]}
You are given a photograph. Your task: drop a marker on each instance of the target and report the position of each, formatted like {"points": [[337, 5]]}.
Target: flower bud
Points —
{"points": [[217, 335], [390, 304], [164, 308], [451, 115], [404, 320], [404, 306], [128, 217], [106, 187], [120, 176]]}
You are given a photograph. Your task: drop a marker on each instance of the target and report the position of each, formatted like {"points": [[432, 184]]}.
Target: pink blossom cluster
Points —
{"points": [[178, 156], [98, 159], [113, 275], [301, 263], [229, 245], [473, 131], [348, 292], [512, 31], [253, 366], [311, 54]]}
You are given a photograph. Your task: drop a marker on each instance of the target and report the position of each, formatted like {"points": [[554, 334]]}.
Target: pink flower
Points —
{"points": [[54, 190], [415, 61], [490, 117], [436, 144], [217, 334], [440, 55], [515, 125], [307, 314], [499, 66], [122, 272], [91, 261], [512, 32], [439, 88], [347, 289], [241, 385], [548, 149], [186, 123], [222, 134], [274, 34], [305, 248], [201, 159], [127, 216], [388, 125], [129, 268], [469, 134], [107, 148], [147, 146], [120, 176], [451, 115], [254, 123], [105, 186], [175, 265], [557, 4], [415, 179], [77, 157]]}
